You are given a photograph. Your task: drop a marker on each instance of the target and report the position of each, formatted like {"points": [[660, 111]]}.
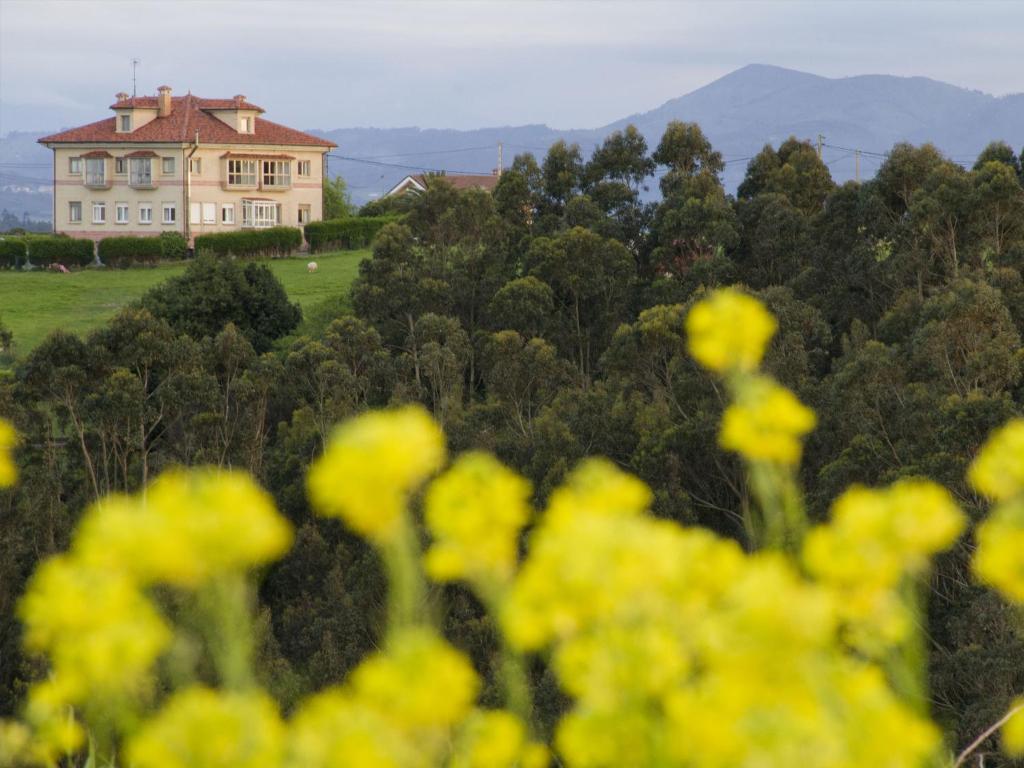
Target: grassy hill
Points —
{"points": [[32, 304]]}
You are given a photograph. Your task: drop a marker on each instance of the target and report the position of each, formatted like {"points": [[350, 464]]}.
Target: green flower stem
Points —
{"points": [[515, 680], [406, 589], [227, 624], [783, 520], [907, 664]]}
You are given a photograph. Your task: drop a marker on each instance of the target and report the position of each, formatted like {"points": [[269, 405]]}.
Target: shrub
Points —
{"points": [[213, 292], [173, 246], [275, 241], [347, 234], [124, 251], [12, 252], [59, 249]]}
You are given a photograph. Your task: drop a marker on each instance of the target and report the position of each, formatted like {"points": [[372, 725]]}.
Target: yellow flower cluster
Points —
{"points": [[398, 709], [998, 472], [766, 423], [203, 728], [186, 529], [475, 512], [679, 649], [8, 439], [875, 540], [87, 610], [1013, 729], [496, 739], [371, 466], [729, 331]]}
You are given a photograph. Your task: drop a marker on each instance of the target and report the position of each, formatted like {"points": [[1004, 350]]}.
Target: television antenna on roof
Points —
{"points": [[135, 64]]}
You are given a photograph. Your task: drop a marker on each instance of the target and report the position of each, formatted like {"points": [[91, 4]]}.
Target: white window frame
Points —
{"points": [[120, 166], [303, 167], [95, 171], [119, 209], [209, 213], [141, 169], [276, 174], [99, 212], [193, 213], [75, 211], [243, 173], [145, 213], [125, 121], [227, 213], [195, 165], [246, 125], [165, 163], [171, 207], [75, 166], [259, 214], [305, 213]]}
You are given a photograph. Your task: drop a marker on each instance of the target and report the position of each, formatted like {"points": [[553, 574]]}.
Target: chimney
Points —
{"points": [[163, 100], [239, 98], [122, 96]]}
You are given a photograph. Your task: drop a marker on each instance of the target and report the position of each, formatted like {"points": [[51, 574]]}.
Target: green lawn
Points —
{"points": [[34, 303]]}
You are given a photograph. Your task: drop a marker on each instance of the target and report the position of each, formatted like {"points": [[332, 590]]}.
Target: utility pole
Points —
{"points": [[135, 63], [500, 148], [857, 165], [820, 139]]}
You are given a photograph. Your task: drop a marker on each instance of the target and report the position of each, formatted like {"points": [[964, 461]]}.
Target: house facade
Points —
{"points": [[184, 164]]}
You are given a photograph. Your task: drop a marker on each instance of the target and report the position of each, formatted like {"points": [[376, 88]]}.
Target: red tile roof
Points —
{"points": [[486, 181], [188, 116]]}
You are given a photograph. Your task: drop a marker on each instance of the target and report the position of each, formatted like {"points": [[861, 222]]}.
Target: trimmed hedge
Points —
{"points": [[44, 250], [13, 252], [124, 251], [173, 246], [345, 234], [274, 241]]}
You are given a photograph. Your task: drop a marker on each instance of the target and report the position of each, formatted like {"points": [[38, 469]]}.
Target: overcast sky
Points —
{"points": [[473, 64]]}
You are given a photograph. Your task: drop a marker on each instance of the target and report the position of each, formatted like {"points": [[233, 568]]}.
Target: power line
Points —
{"points": [[421, 154], [420, 168]]}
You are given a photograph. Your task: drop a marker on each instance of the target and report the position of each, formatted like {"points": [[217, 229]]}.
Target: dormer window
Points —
{"points": [[126, 123], [246, 125]]}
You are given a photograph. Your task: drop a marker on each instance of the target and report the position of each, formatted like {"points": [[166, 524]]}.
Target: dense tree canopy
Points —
{"points": [[545, 323]]}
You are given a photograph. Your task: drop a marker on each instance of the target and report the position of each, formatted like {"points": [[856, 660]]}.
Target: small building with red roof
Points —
{"points": [[184, 164], [417, 184]]}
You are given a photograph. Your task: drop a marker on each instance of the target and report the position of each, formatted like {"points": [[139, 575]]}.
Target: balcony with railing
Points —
{"points": [[96, 176], [140, 170]]}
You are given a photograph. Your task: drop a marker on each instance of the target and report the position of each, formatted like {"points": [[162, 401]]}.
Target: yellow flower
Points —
{"points": [[8, 439], [597, 487], [190, 526], [475, 512], [55, 732], [101, 633], [766, 423], [1013, 729], [331, 730], [418, 682], [998, 470], [202, 728], [728, 331], [15, 740], [371, 465], [877, 537], [490, 739], [999, 558]]}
